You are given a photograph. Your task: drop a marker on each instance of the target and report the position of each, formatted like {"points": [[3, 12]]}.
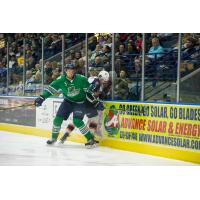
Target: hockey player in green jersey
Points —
{"points": [[93, 113], [74, 88]]}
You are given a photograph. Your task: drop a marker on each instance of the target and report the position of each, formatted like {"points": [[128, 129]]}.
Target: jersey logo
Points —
{"points": [[72, 91]]}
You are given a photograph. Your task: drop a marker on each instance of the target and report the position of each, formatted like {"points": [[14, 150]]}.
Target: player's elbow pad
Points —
{"points": [[91, 98]]}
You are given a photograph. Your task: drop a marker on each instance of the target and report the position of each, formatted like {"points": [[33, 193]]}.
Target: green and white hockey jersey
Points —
{"points": [[73, 91]]}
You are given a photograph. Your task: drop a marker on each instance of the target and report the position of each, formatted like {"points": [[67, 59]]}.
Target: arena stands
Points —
{"points": [[161, 63]]}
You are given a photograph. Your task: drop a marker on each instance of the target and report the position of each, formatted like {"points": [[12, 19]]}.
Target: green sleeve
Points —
{"points": [[52, 89]]}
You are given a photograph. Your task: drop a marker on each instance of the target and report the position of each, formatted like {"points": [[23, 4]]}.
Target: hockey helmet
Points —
{"points": [[70, 66], [103, 75]]}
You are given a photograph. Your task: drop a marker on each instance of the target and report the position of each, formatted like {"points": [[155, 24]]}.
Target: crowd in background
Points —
{"points": [[33, 52], [160, 60]]}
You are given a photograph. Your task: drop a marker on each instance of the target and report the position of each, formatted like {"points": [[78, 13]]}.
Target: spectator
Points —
{"points": [[28, 50], [55, 74], [13, 62], [109, 41], [123, 37], [72, 55], [17, 74], [129, 55], [14, 47], [101, 40], [81, 66], [19, 51], [138, 43], [36, 69], [130, 49], [107, 52], [54, 65], [117, 41], [106, 57], [18, 37], [121, 51], [31, 63], [19, 56], [59, 67], [156, 51], [47, 73], [189, 49], [135, 92], [56, 44], [98, 51], [196, 55], [121, 87], [119, 65], [112, 74], [29, 77], [98, 63], [138, 65], [93, 44], [3, 72], [67, 60], [38, 77], [48, 40], [154, 68], [77, 55], [11, 53]]}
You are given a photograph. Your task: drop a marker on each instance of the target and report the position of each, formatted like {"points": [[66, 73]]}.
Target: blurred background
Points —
{"points": [[150, 67]]}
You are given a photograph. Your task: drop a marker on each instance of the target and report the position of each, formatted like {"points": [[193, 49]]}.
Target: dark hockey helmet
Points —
{"points": [[70, 66]]}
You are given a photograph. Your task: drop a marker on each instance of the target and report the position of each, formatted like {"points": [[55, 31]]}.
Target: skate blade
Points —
{"points": [[52, 144], [91, 146], [61, 142]]}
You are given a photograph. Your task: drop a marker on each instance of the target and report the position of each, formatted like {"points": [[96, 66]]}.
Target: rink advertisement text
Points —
{"points": [[160, 124]]}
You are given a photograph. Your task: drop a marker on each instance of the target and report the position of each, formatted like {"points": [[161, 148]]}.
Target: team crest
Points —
{"points": [[72, 91]]}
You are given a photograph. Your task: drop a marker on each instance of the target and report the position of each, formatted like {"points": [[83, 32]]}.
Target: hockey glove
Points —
{"points": [[99, 106], [39, 101]]}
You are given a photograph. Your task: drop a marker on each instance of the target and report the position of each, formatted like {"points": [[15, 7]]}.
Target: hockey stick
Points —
{"points": [[21, 106]]}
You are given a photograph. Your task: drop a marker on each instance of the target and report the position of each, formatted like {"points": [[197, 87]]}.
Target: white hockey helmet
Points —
{"points": [[103, 75]]}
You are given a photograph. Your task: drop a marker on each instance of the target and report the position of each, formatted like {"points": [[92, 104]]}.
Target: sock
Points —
{"points": [[56, 127], [83, 128]]}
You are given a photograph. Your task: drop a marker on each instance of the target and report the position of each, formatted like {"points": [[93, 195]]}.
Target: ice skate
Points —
{"points": [[51, 141], [91, 143], [64, 138]]}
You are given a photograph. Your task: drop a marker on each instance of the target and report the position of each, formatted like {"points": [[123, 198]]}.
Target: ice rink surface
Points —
{"points": [[25, 150]]}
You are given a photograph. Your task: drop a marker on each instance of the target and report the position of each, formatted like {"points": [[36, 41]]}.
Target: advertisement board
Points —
{"points": [[169, 125], [13, 110], [167, 130]]}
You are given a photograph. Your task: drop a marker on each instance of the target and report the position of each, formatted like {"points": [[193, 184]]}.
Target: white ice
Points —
{"points": [[25, 150]]}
